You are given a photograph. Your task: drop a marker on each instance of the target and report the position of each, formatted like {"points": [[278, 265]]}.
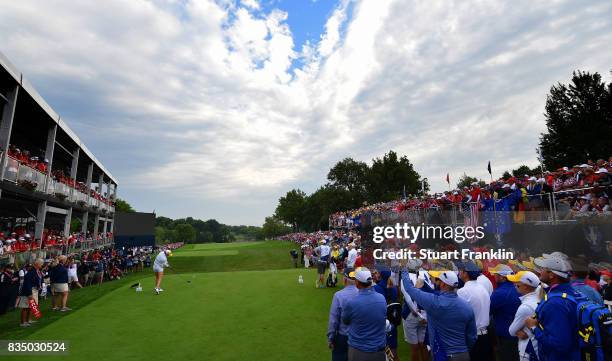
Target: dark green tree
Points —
{"points": [[185, 233], [274, 227], [522, 171], [352, 176], [291, 208], [466, 181], [388, 177], [123, 206], [578, 121]]}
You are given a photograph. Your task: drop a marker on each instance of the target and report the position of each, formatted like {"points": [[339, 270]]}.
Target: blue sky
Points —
{"points": [[216, 108]]}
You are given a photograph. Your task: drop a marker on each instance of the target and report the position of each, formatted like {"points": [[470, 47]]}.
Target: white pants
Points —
{"points": [[306, 262]]}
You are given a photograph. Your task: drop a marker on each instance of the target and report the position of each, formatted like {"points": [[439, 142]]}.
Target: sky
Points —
{"points": [[215, 109]]}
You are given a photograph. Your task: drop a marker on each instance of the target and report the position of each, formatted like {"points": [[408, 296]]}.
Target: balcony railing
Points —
{"points": [[34, 180]]}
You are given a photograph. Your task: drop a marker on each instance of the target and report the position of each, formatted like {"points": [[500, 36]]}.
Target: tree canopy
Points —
{"points": [[578, 121], [350, 184]]}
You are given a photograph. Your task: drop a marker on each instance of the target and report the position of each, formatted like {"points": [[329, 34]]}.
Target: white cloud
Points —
{"points": [[199, 109]]}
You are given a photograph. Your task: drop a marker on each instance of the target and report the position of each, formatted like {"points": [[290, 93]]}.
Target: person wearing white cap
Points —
{"points": [[527, 284], [322, 251], [504, 303], [337, 331], [161, 262], [555, 326], [366, 315], [451, 323]]}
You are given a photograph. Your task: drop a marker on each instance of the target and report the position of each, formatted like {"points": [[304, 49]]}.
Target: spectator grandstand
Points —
{"points": [[55, 196]]}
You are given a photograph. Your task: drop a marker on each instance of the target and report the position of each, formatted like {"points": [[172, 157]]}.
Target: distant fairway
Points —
{"points": [[246, 305]]}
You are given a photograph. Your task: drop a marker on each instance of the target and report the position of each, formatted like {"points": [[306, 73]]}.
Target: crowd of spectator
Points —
{"points": [[19, 240], [580, 190], [55, 276], [465, 310], [41, 164]]}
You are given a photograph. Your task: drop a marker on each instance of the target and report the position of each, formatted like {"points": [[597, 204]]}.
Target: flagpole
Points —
{"points": [[494, 203]]}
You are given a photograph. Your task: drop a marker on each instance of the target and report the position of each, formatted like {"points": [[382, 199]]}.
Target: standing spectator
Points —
{"points": [[504, 303], [450, 319], [556, 325], [366, 316], [478, 298], [59, 285], [337, 331], [32, 282], [352, 255], [527, 284], [579, 275], [8, 283], [294, 257], [73, 278], [384, 286], [322, 252]]}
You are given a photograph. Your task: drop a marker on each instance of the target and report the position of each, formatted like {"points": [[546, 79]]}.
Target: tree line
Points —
{"points": [[351, 184]]}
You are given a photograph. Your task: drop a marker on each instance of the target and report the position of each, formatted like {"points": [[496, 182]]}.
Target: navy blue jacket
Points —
{"points": [[58, 274], [504, 303], [30, 280], [557, 333]]}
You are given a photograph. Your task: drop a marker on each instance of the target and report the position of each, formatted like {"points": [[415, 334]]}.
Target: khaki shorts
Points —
{"points": [[59, 287], [22, 301]]}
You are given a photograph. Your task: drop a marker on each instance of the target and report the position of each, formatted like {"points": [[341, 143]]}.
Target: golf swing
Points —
{"points": [[161, 262]]}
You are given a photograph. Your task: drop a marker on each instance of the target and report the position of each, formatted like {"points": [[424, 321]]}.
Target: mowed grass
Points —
{"points": [[222, 313]]}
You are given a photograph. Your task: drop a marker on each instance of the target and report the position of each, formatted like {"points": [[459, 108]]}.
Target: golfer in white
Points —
{"points": [[161, 261]]}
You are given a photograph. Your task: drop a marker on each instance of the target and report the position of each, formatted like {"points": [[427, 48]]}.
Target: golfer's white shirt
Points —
{"points": [[160, 262], [325, 250], [352, 257], [477, 296], [486, 283]]}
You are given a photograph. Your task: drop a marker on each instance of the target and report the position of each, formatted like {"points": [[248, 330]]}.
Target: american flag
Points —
{"points": [[471, 216]]}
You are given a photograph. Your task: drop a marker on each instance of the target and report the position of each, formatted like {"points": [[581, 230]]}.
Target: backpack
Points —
{"points": [[594, 328]]}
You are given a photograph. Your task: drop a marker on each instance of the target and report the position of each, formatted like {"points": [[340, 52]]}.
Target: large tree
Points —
{"points": [[290, 208], [388, 177], [578, 121], [274, 227], [185, 232], [352, 176]]}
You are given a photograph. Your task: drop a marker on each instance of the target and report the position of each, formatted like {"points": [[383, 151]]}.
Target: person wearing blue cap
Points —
{"points": [[479, 300], [384, 286], [451, 323], [337, 331], [504, 303], [366, 316]]}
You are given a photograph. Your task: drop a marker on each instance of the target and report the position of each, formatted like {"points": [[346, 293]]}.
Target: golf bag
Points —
{"points": [[332, 280]]}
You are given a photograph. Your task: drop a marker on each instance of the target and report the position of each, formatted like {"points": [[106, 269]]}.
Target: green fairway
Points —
{"points": [[257, 313]]}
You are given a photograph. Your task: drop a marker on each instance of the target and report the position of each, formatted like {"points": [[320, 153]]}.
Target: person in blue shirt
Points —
{"points": [[579, 274], [451, 323], [555, 326], [337, 331], [366, 316], [504, 303], [32, 282], [385, 287]]}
